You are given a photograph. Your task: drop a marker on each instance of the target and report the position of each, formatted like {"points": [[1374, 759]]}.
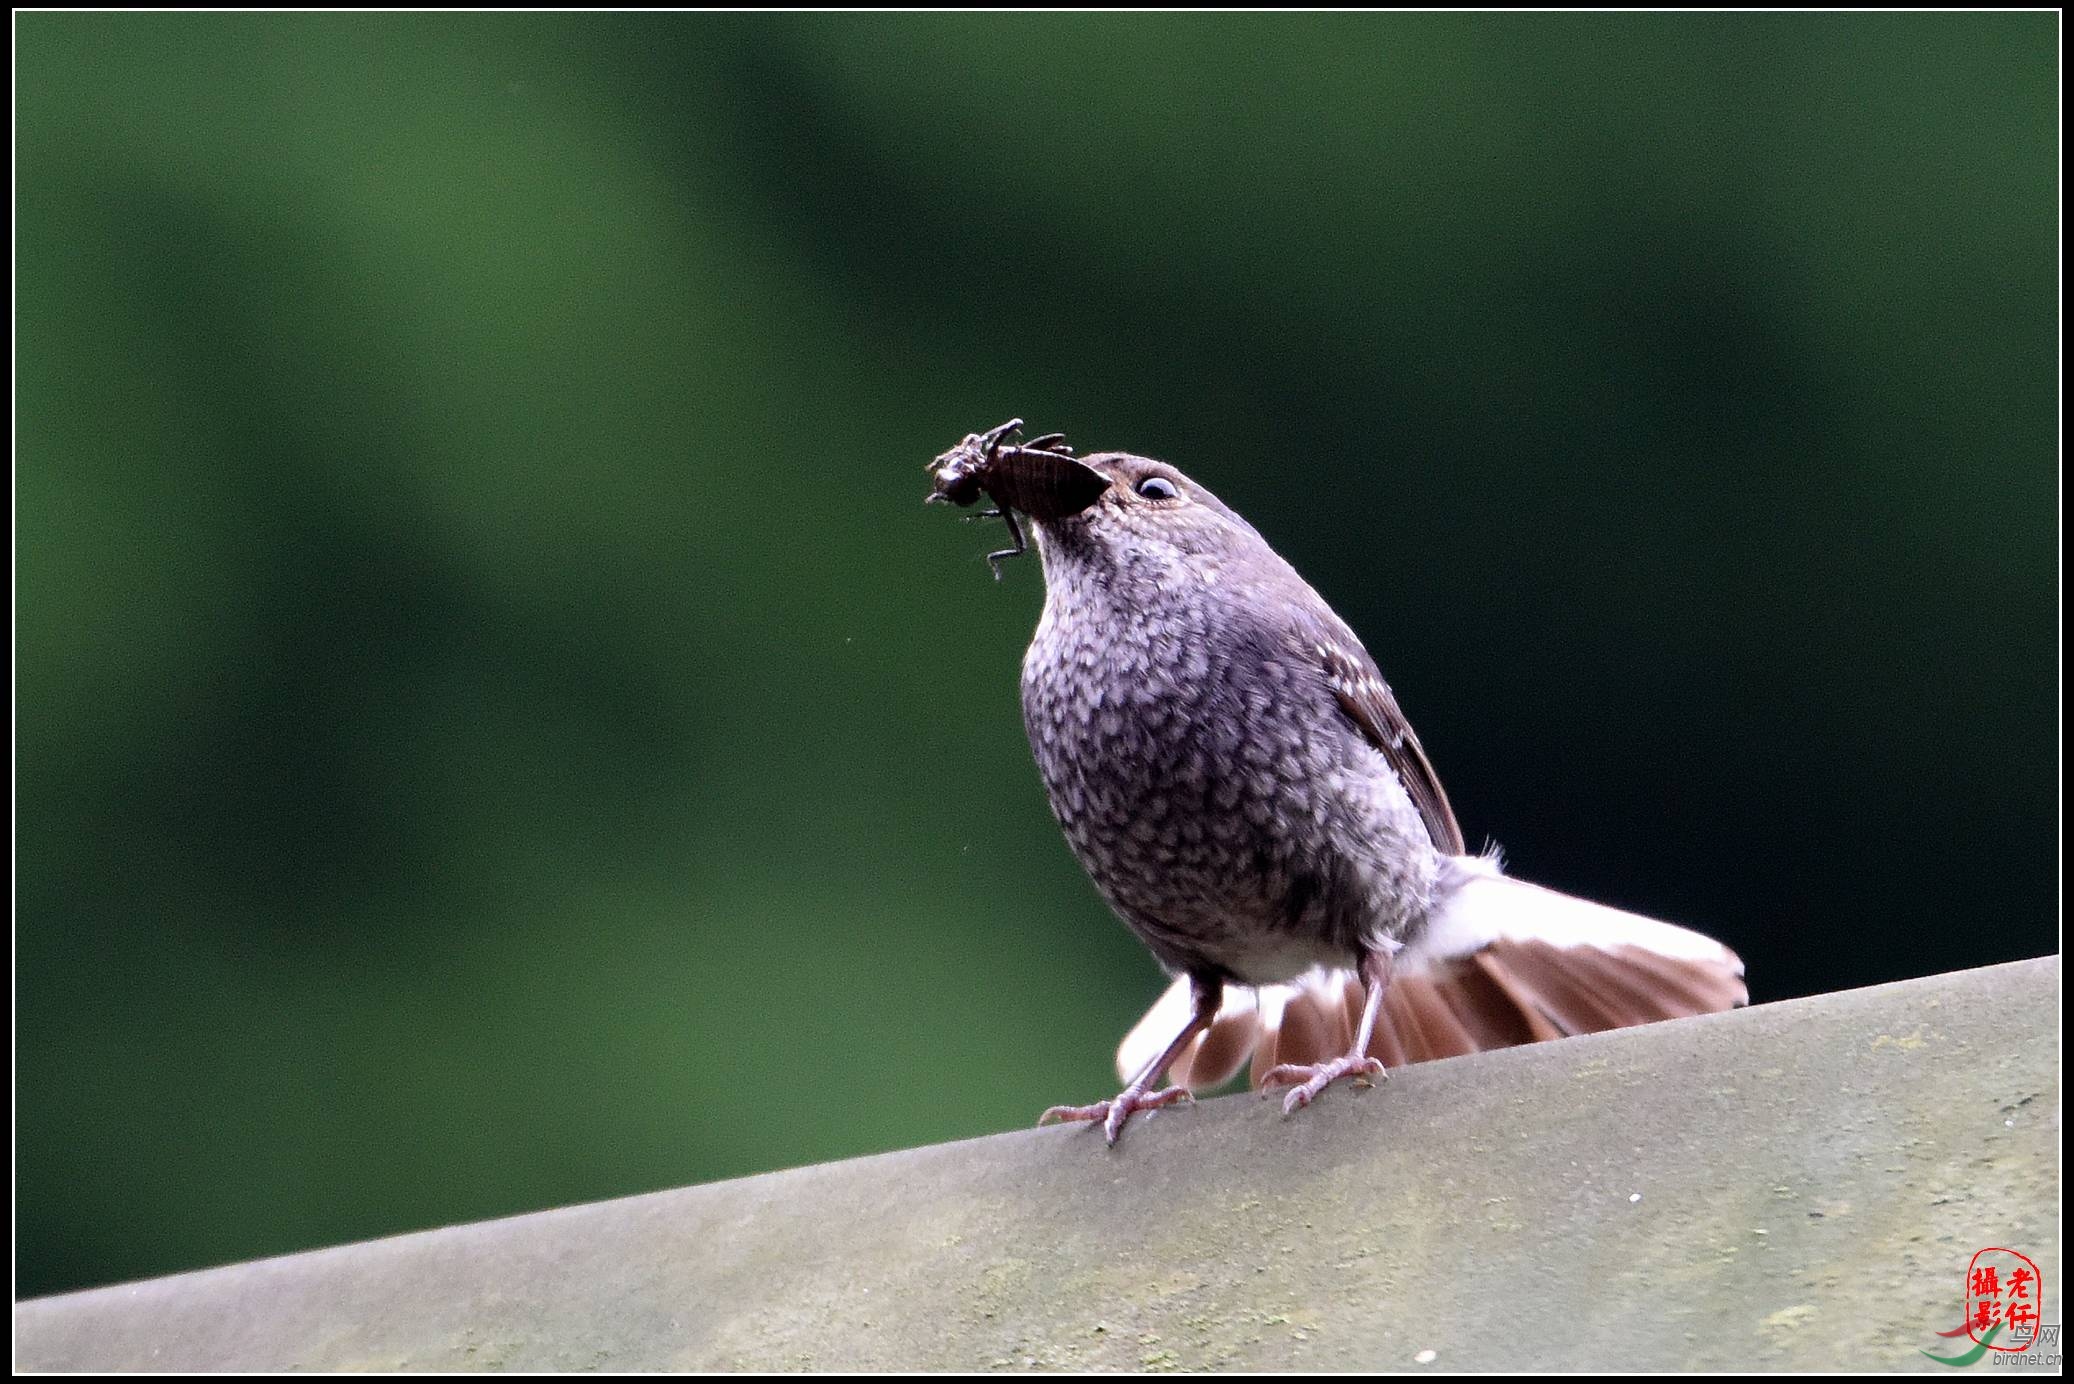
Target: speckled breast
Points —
{"points": [[1181, 758]]}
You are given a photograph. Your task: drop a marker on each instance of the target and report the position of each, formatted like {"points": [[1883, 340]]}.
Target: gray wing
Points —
{"points": [[1370, 704]]}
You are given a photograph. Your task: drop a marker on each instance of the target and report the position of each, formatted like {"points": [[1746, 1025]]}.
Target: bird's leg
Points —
{"points": [[1139, 1095], [1309, 1078]]}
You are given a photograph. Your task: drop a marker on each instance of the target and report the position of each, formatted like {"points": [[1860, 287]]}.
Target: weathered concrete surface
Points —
{"points": [[1812, 1179]]}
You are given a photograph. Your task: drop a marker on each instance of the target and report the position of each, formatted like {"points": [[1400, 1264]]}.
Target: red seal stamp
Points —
{"points": [[2003, 1289]]}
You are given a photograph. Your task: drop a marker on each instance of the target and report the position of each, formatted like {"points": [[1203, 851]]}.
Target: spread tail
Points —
{"points": [[1500, 962]]}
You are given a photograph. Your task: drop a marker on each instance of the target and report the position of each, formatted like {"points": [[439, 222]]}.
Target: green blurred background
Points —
{"points": [[497, 727]]}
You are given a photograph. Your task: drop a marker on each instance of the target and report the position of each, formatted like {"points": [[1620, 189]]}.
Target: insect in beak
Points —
{"points": [[1041, 479]]}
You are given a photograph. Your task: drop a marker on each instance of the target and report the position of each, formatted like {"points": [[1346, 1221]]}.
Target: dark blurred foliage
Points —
{"points": [[498, 728]]}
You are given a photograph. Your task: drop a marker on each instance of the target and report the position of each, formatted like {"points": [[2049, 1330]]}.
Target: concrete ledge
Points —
{"points": [[1798, 1185]]}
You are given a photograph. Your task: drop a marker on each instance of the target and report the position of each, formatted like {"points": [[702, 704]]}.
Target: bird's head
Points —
{"points": [[1148, 509], [1101, 510]]}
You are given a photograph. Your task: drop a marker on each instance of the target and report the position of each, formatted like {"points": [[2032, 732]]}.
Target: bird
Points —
{"points": [[1244, 790]]}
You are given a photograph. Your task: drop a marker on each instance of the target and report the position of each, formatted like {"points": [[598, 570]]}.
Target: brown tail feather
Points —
{"points": [[1500, 962], [1510, 992], [1215, 1057]]}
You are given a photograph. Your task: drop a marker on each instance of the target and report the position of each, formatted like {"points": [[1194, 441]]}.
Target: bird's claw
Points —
{"points": [[1113, 1113], [1310, 1078]]}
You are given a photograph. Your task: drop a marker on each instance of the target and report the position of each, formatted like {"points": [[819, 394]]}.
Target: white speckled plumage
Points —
{"points": [[1190, 740]]}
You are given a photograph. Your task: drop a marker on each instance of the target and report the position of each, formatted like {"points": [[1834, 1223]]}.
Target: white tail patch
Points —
{"points": [[1169, 1014], [1486, 906]]}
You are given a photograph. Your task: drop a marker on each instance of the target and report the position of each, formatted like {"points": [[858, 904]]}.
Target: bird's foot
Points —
{"points": [[1309, 1078], [1112, 1113]]}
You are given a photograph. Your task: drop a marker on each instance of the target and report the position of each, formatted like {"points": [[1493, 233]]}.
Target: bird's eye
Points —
{"points": [[1157, 488]]}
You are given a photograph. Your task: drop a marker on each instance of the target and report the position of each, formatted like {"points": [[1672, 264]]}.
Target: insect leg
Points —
{"points": [[989, 440], [1015, 532]]}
